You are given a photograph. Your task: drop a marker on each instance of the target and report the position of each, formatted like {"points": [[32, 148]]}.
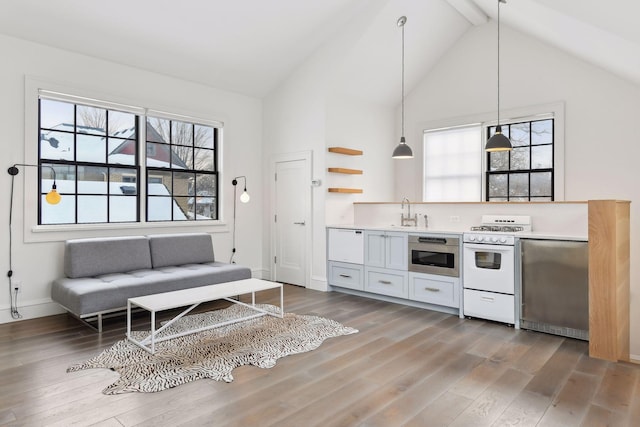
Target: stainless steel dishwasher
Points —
{"points": [[554, 287]]}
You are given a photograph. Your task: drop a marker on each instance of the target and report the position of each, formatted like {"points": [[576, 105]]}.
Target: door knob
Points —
{"points": [[299, 223]]}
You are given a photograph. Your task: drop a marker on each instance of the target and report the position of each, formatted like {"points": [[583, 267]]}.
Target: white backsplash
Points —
{"points": [[569, 218]]}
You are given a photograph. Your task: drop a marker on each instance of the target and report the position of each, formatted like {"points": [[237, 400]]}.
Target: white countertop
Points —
{"points": [[410, 229]]}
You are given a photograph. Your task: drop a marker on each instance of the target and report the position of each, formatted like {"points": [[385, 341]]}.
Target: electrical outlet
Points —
{"points": [[17, 285], [454, 218]]}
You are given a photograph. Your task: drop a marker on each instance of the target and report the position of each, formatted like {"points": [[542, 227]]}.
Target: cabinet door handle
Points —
{"points": [[384, 282], [299, 223], [346, 276], [490, 299], [432, 289]]}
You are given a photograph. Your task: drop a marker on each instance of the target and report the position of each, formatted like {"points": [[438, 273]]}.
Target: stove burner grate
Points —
{"points": [[498, 228]]}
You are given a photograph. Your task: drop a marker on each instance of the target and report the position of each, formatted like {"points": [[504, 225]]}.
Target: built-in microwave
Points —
{"points": [[434, 255]]}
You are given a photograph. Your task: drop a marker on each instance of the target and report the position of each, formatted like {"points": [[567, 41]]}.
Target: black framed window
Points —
{"points": [[525, 173], [182, 173], [94, 152]]}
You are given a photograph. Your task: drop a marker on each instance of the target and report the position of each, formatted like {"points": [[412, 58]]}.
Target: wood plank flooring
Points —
{"points": [[406, 367]]}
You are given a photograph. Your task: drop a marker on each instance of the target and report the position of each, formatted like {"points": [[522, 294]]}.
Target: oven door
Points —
{"points": [[434, 259], [489, 268]]}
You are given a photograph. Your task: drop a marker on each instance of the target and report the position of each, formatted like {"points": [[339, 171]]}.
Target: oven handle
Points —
{"points": [[483, 247]]}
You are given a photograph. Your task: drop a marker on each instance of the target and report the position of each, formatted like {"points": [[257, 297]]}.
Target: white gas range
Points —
{"points": [[489, 267]]}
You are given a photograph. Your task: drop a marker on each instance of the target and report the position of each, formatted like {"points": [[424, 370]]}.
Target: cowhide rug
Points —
{"points": [[213, 353]]}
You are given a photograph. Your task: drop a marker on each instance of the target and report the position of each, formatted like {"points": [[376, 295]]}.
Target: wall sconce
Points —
{"points": [[53, 198], [244, 198]]}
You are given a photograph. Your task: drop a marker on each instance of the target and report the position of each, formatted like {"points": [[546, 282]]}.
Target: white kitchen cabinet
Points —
{"points": [[385, 249], [434, 289], [386, 282], [345, 275], [346, 245]]}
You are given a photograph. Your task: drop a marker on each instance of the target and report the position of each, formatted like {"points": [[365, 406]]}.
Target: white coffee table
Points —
{"points": [[193, 297]]}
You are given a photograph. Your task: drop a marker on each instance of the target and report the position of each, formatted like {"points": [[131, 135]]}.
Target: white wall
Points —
{"points": [[601, 110], [36, 264], [305, 113], [353, 123]]}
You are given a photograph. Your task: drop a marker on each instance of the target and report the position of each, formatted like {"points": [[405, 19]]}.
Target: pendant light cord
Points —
{"points": [[402, 80], [499, 1]]}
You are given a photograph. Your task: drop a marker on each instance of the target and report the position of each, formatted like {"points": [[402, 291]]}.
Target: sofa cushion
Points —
{"points": [[108, 292], [94, 257], [179, 249]]}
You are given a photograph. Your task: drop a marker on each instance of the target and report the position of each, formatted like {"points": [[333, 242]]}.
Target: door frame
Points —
{"points": [[307, 156]]}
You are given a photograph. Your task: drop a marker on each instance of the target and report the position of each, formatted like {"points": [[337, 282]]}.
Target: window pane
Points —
{"points": [[183, 183], [499, 161], [159, 208], [541, 184], [518, 185], [118, 176], [56, 113], [498, 199], [122, 125], [91, 149], [181, 133], [181, 209], [56, 145], [519, 134], [203, 136], [542, 157], [91, 120], [498, 185], [159, 183], [62, 213], [123, 209], [542, 132], [122, 151], [92, 180], [520, 158], [181, 157], [206, 184], [205, 207], [204, 160], [92, 209], [158, 155], [157, 130]]}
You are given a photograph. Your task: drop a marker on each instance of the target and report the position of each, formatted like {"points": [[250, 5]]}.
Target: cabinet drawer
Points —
{"points": [[346, 275], [489, 305], [386, 282], [434, 289]]}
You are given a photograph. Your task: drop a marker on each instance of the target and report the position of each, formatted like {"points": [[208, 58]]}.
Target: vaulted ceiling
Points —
{"points": [[251, 46]]}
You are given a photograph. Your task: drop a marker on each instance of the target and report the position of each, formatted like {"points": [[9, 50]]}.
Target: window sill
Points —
{"points": [[59, 233]]}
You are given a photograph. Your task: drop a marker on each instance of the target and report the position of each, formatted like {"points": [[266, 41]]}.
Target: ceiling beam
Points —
{"points": [[470, 11]]}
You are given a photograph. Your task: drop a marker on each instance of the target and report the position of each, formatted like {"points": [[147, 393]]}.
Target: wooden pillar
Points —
{"points": [[609, 279]]}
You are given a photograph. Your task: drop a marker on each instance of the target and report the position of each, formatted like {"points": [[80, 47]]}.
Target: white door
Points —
{"points": [[291, 220]]}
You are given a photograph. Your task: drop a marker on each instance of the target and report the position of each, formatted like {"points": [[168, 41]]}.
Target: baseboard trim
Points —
{"points": [[32, 310], [318, 284]]}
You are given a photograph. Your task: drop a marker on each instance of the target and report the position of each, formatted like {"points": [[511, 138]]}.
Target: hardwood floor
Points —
{"points": [[406, 366]]}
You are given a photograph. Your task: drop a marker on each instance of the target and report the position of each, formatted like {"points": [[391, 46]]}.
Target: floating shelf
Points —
{"points": [[345, 190], [346, 171], [347, 151]]}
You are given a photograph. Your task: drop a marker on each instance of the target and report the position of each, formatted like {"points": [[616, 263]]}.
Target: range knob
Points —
{"points": [[472, 238], [494, 239], [480, 238], [503, 240]]}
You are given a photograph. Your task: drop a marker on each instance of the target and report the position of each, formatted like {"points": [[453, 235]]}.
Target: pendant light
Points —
{"points": [[498, 142], [402, 151]]}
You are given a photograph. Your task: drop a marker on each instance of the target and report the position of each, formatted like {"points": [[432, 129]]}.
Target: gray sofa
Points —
{"points": [[102, 273]]}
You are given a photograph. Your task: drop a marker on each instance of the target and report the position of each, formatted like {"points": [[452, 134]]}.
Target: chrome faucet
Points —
{"points": [[407, 220]]}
